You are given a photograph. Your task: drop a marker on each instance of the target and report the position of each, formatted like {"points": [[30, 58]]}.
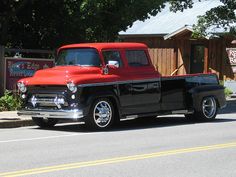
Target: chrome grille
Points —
{"points": [[48, 100]]}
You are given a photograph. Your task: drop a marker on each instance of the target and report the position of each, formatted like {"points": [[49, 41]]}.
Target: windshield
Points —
{"points": [[83, 57]]}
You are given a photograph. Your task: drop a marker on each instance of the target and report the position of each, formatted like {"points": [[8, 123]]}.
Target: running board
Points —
{"points": [[132, 117]]}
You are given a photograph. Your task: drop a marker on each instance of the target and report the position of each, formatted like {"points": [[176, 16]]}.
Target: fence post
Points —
{"points": [[2, 69]]}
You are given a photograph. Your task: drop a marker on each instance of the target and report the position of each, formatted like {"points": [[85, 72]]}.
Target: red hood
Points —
{"points": [[60, 75]]}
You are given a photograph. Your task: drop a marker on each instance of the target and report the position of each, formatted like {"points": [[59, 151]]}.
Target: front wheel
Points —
{"points": [[44, 123], [207, 112], [101, 115]]}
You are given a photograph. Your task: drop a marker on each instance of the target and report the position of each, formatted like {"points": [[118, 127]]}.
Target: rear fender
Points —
{"points": [[216, 91]]}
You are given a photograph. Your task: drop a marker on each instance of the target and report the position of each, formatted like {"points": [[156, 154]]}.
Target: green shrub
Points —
{"points": [[10, 101], [227, 91]]}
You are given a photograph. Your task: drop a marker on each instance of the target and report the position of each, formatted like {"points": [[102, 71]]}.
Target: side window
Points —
{"points": [[112, 55], [137, 58]]}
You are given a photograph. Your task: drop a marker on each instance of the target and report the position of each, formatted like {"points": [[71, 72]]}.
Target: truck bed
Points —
{"points": [[176, 90]]}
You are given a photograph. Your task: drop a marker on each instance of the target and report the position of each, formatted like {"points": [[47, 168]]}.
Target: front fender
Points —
{"points": [[95, 93]]}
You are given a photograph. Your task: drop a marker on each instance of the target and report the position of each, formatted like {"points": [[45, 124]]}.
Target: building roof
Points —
{"points": [[166, 22], [100, 46], [179, 31]]}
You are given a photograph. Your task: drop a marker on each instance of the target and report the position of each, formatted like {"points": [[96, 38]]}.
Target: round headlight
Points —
{"points": [[72, 87], [22, 87]]}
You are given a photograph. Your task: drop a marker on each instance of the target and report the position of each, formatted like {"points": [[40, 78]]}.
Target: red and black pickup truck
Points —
{"points": [[101, 83]]}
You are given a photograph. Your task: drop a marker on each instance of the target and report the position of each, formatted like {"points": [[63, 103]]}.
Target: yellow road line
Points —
{"points": [[115, 160]]}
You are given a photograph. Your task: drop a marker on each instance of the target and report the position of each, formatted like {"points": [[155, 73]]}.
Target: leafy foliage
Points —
{"points": [[49, 24], [228, 92], [222, 16], [181, 5], [10, 102]]}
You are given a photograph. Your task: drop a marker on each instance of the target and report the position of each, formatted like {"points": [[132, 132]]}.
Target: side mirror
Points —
{"points": [[113, 63]]}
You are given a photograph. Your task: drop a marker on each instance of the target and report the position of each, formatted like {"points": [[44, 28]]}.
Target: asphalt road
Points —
{"points": [[168, 146]]}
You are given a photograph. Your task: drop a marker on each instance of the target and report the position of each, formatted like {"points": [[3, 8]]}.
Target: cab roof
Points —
{"points": [[100, 46]]}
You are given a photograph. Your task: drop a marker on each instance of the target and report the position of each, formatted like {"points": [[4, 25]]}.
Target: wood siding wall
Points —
{"points": [[161, 58], [218, 58], [163, 53], [168, 55]]}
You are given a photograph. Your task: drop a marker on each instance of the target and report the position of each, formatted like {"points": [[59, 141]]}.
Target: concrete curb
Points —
{"points": [[16, 123], [10, 119], [231, 101]]}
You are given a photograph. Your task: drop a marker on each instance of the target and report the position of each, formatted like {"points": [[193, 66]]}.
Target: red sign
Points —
{"points": [[232, 55], [17, 68]]}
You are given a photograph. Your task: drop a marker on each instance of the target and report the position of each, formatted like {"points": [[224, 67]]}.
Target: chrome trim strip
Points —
{"points": [[130, 117], [56, 114], [182, 112], [120, 82]]}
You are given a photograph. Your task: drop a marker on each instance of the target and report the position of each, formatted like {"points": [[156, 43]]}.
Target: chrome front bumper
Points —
{"points": [[55, 114]]}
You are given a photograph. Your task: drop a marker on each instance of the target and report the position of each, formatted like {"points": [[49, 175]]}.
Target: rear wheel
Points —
{"points": [[44, 123], [207, 112], [101, 115], [209, 108]]}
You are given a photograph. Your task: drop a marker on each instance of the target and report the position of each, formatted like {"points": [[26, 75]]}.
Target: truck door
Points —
{"points": [[123, 87], [145, 87], [146, 96]]}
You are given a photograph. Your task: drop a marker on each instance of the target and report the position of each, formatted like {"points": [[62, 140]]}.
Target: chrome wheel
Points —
{"points": [[209, 107], [102, 114]]}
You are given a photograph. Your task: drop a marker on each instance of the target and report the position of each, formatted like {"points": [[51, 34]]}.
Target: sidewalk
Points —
{"points": [[10, 119]]}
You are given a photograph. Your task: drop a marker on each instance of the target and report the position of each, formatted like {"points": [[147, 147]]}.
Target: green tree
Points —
{"points": [[220, 17], [38, 24], [49, 24], [8, 11]]}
